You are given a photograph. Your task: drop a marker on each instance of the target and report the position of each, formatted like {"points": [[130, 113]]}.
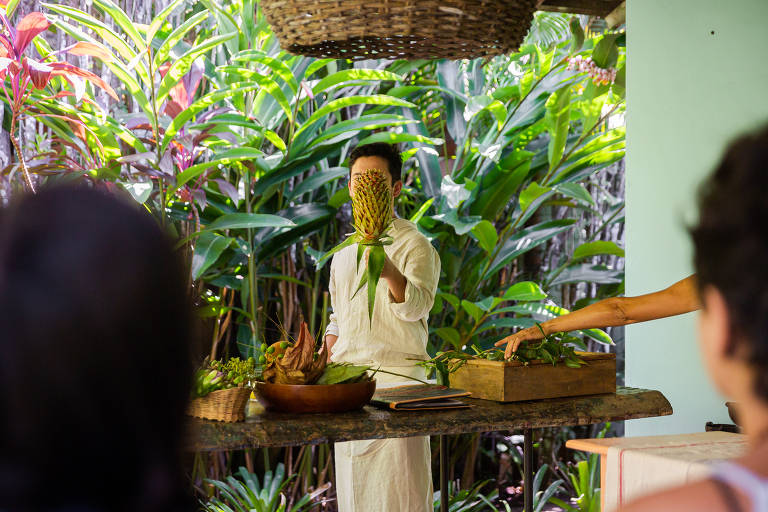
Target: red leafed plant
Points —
{"points": [[22, 71]]}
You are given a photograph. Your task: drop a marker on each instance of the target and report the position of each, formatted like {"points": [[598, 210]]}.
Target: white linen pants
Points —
{"points": [[385, 475]]}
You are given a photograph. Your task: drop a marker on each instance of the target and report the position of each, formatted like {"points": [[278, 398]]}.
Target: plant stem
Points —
{"points": [[24, 170]]}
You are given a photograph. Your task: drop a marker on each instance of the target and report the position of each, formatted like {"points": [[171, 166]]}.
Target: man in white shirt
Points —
{"points": [[387, 474]]}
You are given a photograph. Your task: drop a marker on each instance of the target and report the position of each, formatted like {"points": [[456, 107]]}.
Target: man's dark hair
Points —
{"points": [[388, 152], [96, 367], [731, 244]]}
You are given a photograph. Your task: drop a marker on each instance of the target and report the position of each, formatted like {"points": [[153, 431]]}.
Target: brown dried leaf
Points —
{"points": [[301, 355]]}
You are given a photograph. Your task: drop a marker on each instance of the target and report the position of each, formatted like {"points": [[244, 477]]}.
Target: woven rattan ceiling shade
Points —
{"points": [[399, 29]]}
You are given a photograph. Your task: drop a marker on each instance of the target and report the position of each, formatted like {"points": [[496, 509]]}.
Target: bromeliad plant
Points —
{"points": [[372, 212]]}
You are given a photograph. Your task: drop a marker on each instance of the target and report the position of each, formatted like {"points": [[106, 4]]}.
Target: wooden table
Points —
{"points": [[278, 429], [669, 444]]}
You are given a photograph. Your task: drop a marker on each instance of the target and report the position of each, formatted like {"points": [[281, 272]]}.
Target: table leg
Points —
{"points": [[444, 491], [527, 470]]}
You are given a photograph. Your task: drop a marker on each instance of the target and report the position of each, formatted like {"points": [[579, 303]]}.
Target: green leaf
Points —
{"points": [[505, 323], [449, 335], [340, 103], [575, 191], [121, 19], [346, 243], [531, 193], [353, 126], [226, 157], [588, 273], [526, 239], [10, 7], [485, 234], [248, 220], [201, 104], [182, 65], [336, 373], [349, 75], [606, 52], [208, 248], [316, 181], [474, 311], [177, 35], [599, 336], [376, 259], [308, 217], [140, 191], [620, 83], [577, 33], [525, 290], [339, 198], [416, 217], [558, 120], [159, 19], [589, 249], [363, 282], [397, 138], [450, 299], [280, 68]]}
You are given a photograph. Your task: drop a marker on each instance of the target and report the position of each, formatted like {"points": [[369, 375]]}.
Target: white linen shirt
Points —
{"points": [[398, 333]]}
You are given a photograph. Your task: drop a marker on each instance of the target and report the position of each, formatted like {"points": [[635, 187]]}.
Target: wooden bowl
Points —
{"points": [[300, 398]]}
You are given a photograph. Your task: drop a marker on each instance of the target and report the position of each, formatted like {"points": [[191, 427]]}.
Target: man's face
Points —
{"points": [[372, 162]]}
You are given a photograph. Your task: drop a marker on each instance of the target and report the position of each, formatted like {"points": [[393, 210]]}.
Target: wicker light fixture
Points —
{"points": [[399, 29]]}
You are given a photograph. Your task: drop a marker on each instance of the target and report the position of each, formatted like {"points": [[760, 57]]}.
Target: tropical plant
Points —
{"points": [[522, 151], [249, 493], [467, 500], [28, 75], [584, 479], [240, 149]]}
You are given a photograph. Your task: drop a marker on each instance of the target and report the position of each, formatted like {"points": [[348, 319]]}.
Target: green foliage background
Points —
{"points": [[513, 167]]}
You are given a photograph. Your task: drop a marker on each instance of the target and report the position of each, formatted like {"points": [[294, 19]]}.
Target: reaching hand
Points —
{"points": [[513, 341]]}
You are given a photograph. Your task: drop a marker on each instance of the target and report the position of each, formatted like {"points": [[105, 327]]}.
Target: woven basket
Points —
{"points": [[223, 405], [399, 29]]}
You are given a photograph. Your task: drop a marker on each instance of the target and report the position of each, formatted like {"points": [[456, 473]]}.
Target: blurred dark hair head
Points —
{"points": [[95, 367], [731, 243], [388, 152]]}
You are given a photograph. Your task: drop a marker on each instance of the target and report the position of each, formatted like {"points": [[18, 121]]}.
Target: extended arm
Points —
{"points": [[681, 297]]}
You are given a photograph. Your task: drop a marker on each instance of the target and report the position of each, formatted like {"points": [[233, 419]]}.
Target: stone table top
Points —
{"points": [[280, 429]]}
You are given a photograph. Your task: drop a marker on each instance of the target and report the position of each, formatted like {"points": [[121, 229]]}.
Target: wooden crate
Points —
{"points": [[513, 381]]}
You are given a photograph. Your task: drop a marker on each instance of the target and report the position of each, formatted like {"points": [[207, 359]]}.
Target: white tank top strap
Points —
{"points": [[744, 480]]}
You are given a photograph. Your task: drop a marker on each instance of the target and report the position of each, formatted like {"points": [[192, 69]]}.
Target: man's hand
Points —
{"points": [[396, 281], [513, 341]]}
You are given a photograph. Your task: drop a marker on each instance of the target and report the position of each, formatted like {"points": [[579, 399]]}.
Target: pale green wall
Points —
{"points": [[688, 92]]}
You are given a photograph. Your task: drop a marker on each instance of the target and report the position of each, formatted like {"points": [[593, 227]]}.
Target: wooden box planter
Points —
{"points": [[513, 381]]}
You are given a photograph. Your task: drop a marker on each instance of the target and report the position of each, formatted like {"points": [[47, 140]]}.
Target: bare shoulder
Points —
{"points": [[699, 496]]}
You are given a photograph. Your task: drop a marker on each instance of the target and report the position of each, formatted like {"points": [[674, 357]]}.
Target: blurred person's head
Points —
{"points": [[731, 252], [378, 155], [94, 357]]}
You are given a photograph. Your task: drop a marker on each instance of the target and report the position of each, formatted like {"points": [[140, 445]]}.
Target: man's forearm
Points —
{"points": [[330, 341], [397, 284]]}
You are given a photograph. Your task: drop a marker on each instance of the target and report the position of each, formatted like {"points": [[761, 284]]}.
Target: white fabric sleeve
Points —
{"points": [[422, 271], [333, 326]]}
